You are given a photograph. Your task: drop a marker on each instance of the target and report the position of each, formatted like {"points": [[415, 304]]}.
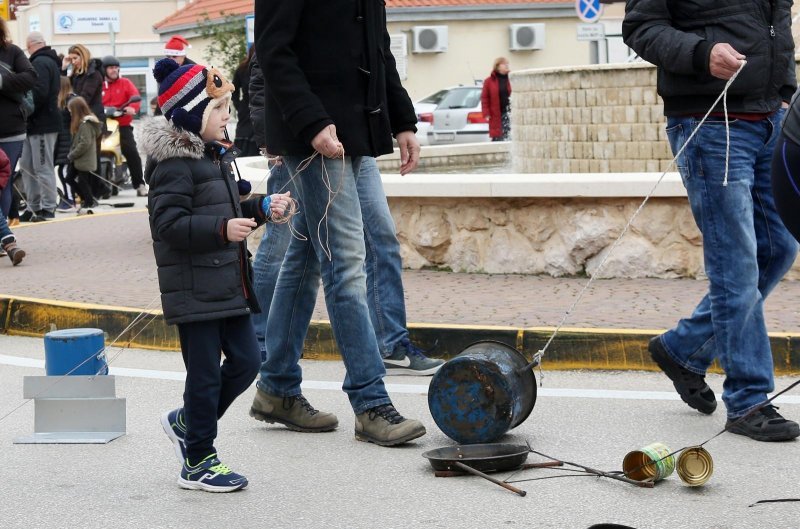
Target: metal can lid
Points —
{"points": [[695, 466]]}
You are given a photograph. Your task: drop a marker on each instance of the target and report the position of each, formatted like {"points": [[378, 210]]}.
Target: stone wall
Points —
{"points": [[591, 119], [554, 236]]}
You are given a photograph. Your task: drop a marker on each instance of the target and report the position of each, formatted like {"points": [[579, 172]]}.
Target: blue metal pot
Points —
{"points": [[485, 391]]}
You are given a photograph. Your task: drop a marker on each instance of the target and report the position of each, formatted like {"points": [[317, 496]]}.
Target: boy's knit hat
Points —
{"points": [[187, 94]]}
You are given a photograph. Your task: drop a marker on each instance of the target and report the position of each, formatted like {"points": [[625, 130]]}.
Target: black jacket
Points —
{"points": [[64, 141], [89, 85], [241, 101], [12, 88], [256, 92], [677, 36], [329, 62], [46, 117], [192, 195]]}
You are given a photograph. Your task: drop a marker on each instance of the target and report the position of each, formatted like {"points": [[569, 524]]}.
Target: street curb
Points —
{"points": [[573, 348]]}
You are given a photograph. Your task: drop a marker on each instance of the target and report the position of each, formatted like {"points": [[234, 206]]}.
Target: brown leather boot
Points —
{"points": [[15, 253]]}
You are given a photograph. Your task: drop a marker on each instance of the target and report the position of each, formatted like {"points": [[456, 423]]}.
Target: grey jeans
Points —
{"points": [[38, 171]]}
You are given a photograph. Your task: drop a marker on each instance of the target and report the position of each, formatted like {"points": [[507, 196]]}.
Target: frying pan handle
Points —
{"points": [[467, 468]]}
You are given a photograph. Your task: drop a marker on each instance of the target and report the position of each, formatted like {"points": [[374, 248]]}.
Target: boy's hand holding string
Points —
{"points": [[274, 206]]}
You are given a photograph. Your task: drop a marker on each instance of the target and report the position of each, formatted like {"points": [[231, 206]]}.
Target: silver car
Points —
{"points": [[458, 118]]}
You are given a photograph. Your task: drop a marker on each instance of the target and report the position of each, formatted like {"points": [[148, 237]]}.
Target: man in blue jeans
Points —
{"points": [[746, 248], [383, 263], [302, 47]]}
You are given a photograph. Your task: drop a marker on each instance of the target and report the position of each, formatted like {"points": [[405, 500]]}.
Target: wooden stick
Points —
{"points": [[471, 470]]}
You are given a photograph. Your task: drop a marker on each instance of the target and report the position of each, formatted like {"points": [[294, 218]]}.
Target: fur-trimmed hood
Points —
{"points": [[161, 141]]}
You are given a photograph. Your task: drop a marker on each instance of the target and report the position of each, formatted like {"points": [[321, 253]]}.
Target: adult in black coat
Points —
{"points": [[87, 82], [17, 76], [45, 117], [87, 77], [37, 165], [699, 46], [241, 101], [329, 63], [332, 87]]}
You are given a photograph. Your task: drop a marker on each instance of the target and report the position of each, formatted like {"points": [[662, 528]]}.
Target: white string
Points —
{"points": [[326, 179], [537, 358]]}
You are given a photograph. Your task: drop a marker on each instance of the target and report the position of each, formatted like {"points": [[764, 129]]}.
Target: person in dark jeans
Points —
{"points": [[17, 76], [385, 297], [199, 228], [726, 171], [117, 91], [63, 144], [299, 44], [87, 82]]}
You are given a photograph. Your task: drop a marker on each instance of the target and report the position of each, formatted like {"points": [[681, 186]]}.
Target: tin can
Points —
{"points": [[695, 466], [651, 463]]}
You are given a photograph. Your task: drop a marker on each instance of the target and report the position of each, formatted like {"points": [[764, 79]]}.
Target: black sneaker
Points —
{"points": [[766, 424], [27, 216], [408, 359], [43, 215], [690, 386]]}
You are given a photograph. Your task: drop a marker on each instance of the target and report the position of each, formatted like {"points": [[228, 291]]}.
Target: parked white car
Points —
{"points": [[424, 109], [458, 118]]}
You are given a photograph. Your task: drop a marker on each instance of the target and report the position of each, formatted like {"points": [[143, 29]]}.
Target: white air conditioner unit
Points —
{"points": [[526, 36], [429, 39]]}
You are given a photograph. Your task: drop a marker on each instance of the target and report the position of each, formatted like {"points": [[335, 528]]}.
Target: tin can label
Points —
{"points": [[650, 463]]}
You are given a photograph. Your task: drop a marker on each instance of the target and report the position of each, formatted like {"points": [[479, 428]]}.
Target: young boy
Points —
{"points": [[198, 228]]}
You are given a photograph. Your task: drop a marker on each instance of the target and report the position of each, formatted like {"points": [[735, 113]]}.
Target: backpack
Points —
{"points": [[25, 99], [26, 105]]}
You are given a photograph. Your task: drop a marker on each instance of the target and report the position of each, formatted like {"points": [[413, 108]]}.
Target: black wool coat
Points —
{"points": [[46, 117], [192, 195], [14, 85], [89, 85], [329, 62]]}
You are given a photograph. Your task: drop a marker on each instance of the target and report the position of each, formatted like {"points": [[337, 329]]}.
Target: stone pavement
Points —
{"points": [[107, 259]]}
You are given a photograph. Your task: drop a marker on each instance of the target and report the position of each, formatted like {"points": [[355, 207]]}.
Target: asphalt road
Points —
{"points": [[330, 480]]}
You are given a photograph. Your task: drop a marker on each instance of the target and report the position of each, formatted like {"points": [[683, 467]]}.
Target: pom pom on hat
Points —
{"points": [[163, 68], [176, 46], [185, 93]]}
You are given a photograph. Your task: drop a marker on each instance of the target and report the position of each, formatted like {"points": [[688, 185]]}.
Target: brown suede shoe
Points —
{"points": [[384, 426], [296, 413]]}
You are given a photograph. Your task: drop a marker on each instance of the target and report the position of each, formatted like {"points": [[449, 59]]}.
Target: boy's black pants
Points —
{"points": [[211, 388]]}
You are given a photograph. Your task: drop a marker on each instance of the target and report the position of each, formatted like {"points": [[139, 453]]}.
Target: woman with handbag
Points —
{"points": [[17, 77]]}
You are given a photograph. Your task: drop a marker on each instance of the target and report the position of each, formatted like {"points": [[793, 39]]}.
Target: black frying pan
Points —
{"points": [[480, 458], [492, 457]]}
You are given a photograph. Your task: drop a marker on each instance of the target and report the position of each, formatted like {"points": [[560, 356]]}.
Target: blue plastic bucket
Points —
{"points": [[479, 395], [68, 348]]}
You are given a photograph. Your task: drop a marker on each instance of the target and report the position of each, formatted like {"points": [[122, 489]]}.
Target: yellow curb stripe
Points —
{"points": [[573, 348]]}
